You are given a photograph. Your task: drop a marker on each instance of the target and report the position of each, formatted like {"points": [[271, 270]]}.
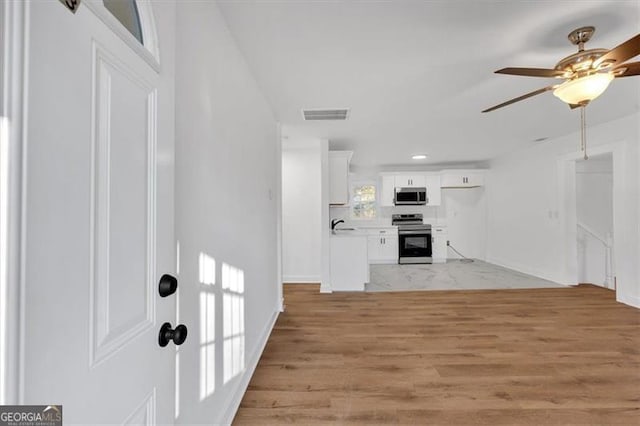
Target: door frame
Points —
{"points": [[278, 196], [566, 166], [14, 40]]}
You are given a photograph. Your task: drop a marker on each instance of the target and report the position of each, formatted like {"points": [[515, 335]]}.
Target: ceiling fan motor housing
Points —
{"points": [[580, 63], [581, 35]]}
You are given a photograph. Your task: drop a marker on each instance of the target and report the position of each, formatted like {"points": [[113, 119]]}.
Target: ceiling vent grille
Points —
{"points": [[325, 114]]}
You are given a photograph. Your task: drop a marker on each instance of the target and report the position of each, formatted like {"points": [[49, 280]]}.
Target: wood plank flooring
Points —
{"points": [[487, 357]]}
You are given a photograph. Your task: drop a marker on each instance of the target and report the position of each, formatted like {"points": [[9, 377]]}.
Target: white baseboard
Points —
{"points": [[526, 270], [243, 383], [633, 301], [302, 279], [324, 288]]}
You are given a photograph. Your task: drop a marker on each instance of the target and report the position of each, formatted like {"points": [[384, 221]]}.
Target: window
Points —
{"points": [[126, 11], [363, 201]]}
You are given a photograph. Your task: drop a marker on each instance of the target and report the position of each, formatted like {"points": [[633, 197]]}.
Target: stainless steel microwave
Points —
{"points": [[410, 196]]}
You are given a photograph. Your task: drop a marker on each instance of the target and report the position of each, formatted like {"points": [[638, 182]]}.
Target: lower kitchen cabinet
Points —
{"points": [[349, 266], [383, 246], [439, 237]]}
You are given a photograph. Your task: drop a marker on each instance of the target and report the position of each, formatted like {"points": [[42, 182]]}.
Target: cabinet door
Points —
{"points": [[453, 180], [388, 190], [410, 181], [374, 246], [338, 180], [462, 179], [418, 181], [475, 179], [389, 250], [434, 196], [439, 244]]}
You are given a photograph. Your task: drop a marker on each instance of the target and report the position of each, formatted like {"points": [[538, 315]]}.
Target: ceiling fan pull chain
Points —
{"points": [[583, 132]]}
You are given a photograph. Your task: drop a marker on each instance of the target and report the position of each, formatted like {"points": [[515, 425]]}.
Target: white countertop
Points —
{"points": [[349, 233]]}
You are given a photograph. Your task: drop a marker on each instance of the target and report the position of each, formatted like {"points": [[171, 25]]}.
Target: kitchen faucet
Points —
{"points": [[334, 222]]}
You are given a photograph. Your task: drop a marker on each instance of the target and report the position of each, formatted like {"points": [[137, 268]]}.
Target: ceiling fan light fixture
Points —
{"points": [[583, 89]]}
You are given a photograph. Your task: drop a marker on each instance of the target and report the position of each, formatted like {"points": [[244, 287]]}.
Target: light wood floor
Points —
{"points": [[487, 357]]}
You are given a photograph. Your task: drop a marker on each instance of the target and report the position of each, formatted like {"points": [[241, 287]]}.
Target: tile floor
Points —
{"points": [[453, 275]]}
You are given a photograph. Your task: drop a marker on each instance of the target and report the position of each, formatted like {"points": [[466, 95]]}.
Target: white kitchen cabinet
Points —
{"points": [[462, 178], [387, 191], [349, 265], [382, 245], [410, 181], [339, 177], [439, 243], [434, 194]]}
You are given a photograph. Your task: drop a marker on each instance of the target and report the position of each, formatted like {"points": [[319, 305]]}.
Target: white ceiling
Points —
{"points": [[416, 74]]}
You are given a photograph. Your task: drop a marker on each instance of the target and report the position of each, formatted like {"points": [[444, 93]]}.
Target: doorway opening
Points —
{"points": [[594, 220]]}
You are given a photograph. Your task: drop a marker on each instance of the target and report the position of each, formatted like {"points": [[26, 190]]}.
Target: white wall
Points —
{"points": [[464, 212], [226, 177], [301, 210], [594, 209], [527, 226]]}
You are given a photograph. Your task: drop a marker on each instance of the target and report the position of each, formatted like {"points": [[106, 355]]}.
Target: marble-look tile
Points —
{"points": [[453, 275]]}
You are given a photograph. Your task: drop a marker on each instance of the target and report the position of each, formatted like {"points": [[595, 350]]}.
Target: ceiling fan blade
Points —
{"points": [[622, 52], [532, 72], [627, 70], [520, 98]]}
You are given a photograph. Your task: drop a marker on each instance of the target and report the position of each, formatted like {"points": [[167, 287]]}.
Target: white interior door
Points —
{"points": [[99, 222]]}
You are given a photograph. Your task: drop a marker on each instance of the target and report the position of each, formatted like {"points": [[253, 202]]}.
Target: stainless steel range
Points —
{"points": [[414, 238]]}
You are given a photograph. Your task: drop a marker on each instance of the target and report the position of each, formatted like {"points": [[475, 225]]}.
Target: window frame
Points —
{"points": [[149, 49], [363, 182]]}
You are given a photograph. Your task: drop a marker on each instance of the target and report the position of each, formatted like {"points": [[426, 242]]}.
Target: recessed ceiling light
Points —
{"points": [[419, 157]]}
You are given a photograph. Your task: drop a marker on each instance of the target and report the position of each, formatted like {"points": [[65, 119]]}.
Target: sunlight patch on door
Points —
{"points": [[207, 268], [233, 321]]}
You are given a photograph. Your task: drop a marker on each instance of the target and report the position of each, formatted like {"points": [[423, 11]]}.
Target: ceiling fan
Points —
{"points": [[586, 74]]}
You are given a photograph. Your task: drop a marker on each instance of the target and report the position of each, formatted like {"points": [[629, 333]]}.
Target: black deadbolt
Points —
{"points": [[178, 335], [168, 285]]}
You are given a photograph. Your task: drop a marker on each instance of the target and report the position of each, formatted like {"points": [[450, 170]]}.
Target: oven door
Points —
{"points": [[414, 246]]}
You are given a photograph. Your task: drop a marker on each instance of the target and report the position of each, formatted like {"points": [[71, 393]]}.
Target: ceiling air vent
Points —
{"points": [[325, 114]]}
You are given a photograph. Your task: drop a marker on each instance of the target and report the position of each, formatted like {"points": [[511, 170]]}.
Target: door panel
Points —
{"points": [[95, 194], [123, 110]]}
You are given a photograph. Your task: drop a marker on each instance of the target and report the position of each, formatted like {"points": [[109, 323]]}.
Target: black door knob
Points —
{"points": [[168, 285], [178, 335]]}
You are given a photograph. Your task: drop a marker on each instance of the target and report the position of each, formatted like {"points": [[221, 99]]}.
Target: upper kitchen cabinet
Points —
{"points": [[462, 178], [434, 195], [390, 181], [410, 181], [387, 192], [339, 177]]}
